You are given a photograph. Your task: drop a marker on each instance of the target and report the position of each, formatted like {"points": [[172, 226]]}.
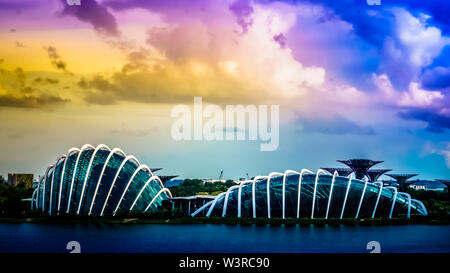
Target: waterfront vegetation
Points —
{"points": [[10, 200], [436, 202], [198, 187]]}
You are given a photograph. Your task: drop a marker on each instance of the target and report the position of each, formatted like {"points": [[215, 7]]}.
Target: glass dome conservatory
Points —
{"points": [[98, 181], [311, 195]]}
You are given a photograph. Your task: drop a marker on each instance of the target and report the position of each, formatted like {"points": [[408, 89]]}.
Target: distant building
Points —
{"points": [[418, 187], [214, 180], [427, 185], [25, 179]]}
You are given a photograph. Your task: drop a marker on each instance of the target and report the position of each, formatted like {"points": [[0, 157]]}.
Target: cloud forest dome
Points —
{"points": [[312, 195], [98, 181]]}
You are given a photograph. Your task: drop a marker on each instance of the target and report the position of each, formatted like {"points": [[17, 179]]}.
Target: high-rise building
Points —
{"points": [[25, 179]]}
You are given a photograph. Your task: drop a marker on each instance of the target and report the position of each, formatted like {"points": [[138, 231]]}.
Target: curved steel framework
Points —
{"points": [[311, 195], [83, 148], [63, 157], [98, 181], [113, 152]]}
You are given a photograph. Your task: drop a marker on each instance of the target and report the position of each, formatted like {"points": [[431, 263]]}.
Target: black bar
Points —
{"points": [[255, 262]]}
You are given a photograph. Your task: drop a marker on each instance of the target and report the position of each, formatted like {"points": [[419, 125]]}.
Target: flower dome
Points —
{"points": [[98, 181], [311, 195]]}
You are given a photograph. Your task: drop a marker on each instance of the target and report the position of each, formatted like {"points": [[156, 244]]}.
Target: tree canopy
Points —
{"points": [[197, 186]]}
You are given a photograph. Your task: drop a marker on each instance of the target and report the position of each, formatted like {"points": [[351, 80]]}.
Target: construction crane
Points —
{"points": [[221, 175]]}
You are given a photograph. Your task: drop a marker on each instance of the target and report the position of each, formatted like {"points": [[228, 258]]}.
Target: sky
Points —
{"points": [[352, 80]]}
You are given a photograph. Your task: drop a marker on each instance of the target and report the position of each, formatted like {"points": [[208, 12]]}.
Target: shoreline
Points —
{"points": [[225, 221]]}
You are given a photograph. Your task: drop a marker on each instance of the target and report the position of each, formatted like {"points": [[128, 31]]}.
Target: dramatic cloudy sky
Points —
{"points": [[352, 81]]}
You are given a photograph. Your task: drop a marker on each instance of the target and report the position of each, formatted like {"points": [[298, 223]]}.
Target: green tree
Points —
{"points": [[11, 204], [197, 186]]}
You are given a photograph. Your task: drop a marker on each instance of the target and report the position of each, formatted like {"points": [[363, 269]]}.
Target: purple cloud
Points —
{"points": [[16, 5], [436, 78], [172, 10], [437, 123], [242, 11], [95, 14], [280, 39]]}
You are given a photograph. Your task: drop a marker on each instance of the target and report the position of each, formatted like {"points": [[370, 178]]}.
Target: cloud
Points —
{"points": [[413, 97], [19, 44], [243, 11], [17, 90], [103, 92], [446, 154], [437, 9], [168, 83], [196, 57], [16, 6], [388, 39], [413, 45], [174, 10], [57, 62], [40, 80], [280, 39], [135, 132], [95, 14], [336, 125], [30, 101], [51, 81], [14, 80], [436, 78], [436, 122], [442, 149], [416, 103], [195, 37], [420, 41], [341, 94], [418, 97]]}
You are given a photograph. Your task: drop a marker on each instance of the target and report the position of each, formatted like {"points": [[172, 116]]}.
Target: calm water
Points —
{"points": [[222, 238]]}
